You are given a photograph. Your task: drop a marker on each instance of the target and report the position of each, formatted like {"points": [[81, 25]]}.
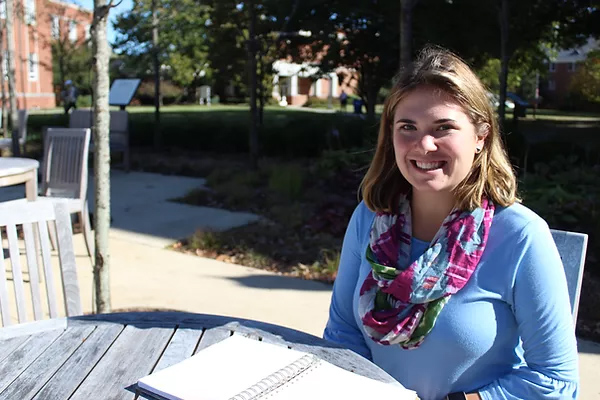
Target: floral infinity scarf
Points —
{"points": [[399, 303]]}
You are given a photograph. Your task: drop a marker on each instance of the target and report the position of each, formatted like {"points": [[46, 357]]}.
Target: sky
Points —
{"points": [[125, 5]]}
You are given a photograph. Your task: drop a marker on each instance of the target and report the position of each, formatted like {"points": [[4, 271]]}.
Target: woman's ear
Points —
{"points": [[483, 132]]}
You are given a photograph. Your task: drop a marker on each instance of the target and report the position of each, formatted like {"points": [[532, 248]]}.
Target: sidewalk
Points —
{"points": [[144, 275]]}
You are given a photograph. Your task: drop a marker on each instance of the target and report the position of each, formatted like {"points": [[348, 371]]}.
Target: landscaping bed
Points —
{"points": [[306, 205]]}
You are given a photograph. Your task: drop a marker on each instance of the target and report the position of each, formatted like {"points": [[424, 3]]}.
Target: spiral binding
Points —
{"points": [[277, 379]]}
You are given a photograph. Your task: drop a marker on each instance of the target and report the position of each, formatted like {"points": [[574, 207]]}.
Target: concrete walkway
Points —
{"points": [[144, 275]]}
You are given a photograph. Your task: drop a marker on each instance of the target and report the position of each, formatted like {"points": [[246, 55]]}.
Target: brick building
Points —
{"points": [[299, 82], [561, 69], [36, 24]]}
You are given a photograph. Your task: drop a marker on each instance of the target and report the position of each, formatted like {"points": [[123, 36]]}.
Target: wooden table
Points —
{"points": [[14, 170], [102, 356]]}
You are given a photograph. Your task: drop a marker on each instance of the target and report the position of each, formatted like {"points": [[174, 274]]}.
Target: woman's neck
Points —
{"points": [[428, 212]]}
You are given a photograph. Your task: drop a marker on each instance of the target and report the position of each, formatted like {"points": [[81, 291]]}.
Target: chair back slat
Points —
{"points": [[17, 271], [68, 270], [119, 121], [118, 130], [23, 116], [572, 247], [65, 167], [34, 216], [48, 272], [32, 266], [81, 119], [4, 304]]}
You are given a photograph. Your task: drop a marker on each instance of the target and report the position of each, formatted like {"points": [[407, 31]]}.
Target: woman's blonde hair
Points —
{"points": [[491, 174]]}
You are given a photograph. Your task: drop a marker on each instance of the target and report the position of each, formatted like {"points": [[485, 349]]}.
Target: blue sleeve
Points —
{"points": [[542, 311], [341, 327]]}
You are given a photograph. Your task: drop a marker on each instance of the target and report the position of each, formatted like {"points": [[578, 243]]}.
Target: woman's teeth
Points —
{"points": [[429, 165]]}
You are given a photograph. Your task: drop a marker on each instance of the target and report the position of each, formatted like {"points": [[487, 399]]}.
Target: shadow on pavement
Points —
{"points": [[586, 346], [280, 282]]}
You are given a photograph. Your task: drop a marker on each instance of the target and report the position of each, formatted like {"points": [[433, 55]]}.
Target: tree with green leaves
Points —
{"points": [[182, 42], [527, 24], [356, 34], [256, 29], [586, 81]]}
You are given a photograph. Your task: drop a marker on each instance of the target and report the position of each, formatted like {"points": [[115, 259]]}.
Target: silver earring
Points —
{"points": [[477, 150]]}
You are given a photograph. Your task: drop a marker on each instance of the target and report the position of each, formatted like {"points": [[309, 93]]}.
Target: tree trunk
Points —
{"points": [[406, 7], [101, 82], [372, 89], [252, 84], [10, 55], [261, 90], [157, 97], [3, 116], [504, 59]]}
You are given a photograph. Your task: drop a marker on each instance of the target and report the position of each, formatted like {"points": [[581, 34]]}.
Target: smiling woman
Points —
{"points": [[445, 280]]}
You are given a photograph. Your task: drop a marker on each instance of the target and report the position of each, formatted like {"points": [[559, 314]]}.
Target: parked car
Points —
{"points": [[495, 100]]}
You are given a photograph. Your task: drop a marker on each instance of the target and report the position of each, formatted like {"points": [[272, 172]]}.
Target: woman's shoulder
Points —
{"points": [[517, 218], [362, 217]]}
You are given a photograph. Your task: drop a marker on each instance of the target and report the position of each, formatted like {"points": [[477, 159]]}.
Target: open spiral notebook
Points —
{"points": [[239, 368]]}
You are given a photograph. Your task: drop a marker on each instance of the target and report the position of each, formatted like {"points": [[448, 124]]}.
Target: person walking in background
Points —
{"points": [[343, 101], [445, 280], [69, 96]]}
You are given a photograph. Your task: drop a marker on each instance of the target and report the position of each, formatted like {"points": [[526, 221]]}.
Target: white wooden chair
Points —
{"points": [[6, 143], [572, 247], [118, 130], [65, 174], [29, 215]]}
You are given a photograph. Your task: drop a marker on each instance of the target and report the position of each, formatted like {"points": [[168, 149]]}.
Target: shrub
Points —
{"points": [[567, 195], [84, 101], [318, 102], [287, 180], [171, 94]]}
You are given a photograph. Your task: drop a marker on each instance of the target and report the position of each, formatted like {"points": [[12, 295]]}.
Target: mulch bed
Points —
{"points": [[294, 248]]}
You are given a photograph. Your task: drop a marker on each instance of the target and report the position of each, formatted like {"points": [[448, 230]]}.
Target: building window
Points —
{"points": [[551, 85], [55, 27], [571, 67], [33, 67], [73, 31], [2, 9], [30, 12], [552, 67], [88, 34]]}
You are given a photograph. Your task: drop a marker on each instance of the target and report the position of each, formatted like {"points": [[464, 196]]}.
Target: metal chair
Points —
{"points": [[34, 217], [6, 143], [65, 174], [572, 247]]}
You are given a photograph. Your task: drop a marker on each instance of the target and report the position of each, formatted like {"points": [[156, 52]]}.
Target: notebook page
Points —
{"points": [[328, 381], [220, 371]]}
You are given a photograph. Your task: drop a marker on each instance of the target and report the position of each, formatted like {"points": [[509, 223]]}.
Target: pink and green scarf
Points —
{"points": [[399, 303]]}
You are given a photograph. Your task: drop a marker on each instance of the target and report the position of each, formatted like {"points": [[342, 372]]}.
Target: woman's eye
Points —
{"points": [[408, 127], [445, 127]]}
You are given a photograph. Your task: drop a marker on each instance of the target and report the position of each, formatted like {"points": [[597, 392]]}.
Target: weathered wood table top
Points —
{"points": [[15, 170], [102, 356]]}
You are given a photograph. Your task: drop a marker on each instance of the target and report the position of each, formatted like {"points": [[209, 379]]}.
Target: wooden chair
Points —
{"points": [[65, 174], [572, 248], [34, 217], [118, 130], [6, 143]]}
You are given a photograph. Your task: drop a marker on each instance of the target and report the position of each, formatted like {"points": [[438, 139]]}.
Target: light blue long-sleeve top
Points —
{"points": [[508, 334]]}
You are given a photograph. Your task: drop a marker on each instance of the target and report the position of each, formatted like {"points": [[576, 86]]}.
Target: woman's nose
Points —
{"points": [[427, 143]]}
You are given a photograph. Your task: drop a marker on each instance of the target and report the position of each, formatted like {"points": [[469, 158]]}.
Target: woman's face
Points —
{"points": [[434, 140]]}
